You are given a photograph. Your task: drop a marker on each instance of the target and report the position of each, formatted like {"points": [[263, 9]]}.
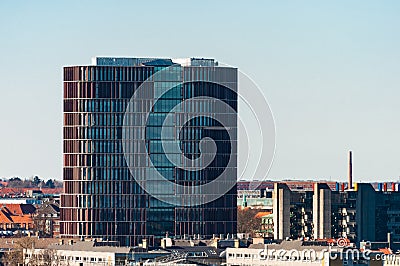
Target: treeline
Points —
{"points": [[33, 182]]}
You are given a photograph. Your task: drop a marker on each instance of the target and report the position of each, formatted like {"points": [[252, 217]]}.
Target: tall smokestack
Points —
{"points": [[350, 174]]}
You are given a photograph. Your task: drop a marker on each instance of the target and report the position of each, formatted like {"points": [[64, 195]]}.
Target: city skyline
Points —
{"points": [[329, 72]]}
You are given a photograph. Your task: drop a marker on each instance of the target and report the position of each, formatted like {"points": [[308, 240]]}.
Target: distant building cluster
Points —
{"points": [[29, 212], [215, 251], [294, 216], [324, 210], [360, 213]]}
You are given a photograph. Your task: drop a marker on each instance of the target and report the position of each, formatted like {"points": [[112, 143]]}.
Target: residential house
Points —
{"points": [[17, 217]]}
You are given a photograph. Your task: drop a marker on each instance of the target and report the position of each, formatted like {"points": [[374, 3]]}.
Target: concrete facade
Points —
{"points": [[322, 211], [359, 214], [281, 210]]}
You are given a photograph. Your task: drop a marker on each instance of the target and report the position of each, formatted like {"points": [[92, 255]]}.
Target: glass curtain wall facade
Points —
{"points": [[101, 198]]}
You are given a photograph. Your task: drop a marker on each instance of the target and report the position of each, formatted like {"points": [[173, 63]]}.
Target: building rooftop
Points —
{"points": [[13, 242], [50, 207], [7, 191], [262, 214], [139, 61], [16, 213], [295, 245], [88, 246], [19, 209]]}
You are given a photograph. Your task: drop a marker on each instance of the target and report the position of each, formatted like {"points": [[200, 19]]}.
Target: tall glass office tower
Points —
{"points": [[137, 163]]}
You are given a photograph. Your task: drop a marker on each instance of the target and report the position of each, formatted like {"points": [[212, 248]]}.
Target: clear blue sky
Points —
{"points": [[330, 71]]}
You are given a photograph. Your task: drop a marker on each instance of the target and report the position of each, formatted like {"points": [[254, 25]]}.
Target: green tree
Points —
{"points": [[50, 184], [36, 180]]}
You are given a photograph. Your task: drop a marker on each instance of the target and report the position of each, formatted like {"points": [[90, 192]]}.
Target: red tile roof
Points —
{"points": [[385, 251], [20, 209], [261, 214], [24, 190], [16, 213]]}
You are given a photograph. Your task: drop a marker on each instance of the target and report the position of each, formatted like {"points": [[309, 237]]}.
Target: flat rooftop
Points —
{"points": [[148, 61]]}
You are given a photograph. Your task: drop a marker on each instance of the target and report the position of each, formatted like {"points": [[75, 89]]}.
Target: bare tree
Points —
{"points": [[12, 258], [247, 221], [15, 256], [26, 242], [46, 257], [50, 257], [34, 260]]}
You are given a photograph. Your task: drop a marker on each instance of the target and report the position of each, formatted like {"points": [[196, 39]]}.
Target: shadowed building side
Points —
{"points": [[322, 211], [281, 210], [366, 212]]}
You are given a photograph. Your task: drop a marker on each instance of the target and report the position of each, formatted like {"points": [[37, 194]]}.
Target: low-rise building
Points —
{"points": [[17, 217], [359, 213], [255, 199], [79, 253], [287, 253], [47, 219], [92, 252], [391, 260], [267, 225]]}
